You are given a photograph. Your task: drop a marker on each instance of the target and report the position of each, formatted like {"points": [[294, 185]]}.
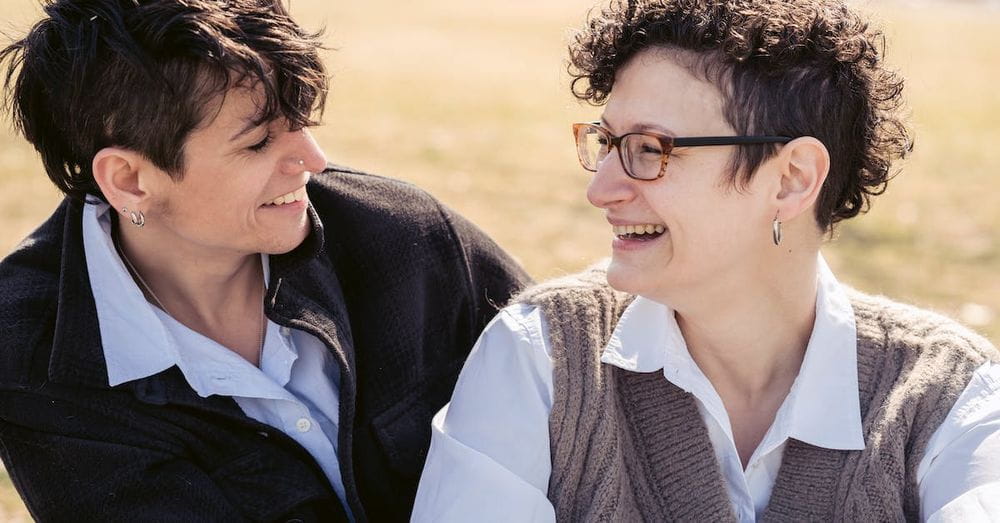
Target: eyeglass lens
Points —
{"points": [[592, 146], [642, 156]]}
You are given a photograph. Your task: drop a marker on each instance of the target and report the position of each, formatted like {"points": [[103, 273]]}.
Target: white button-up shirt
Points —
{"points": [[295, 389], [489, 458]]}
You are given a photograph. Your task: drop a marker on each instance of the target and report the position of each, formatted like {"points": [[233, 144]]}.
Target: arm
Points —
{"points": [[78, 454], [489, 456], [73, 477], [959, 476]]}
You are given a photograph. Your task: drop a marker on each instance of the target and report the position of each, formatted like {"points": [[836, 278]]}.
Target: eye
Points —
{"points": [[648, 148], [261, 145]]}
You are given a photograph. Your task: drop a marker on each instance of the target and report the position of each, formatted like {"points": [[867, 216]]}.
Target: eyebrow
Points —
{"points": [[642, 127], [251, 124]]}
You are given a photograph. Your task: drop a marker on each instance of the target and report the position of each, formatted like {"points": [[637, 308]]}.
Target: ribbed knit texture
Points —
{"points": [[630, 446]]}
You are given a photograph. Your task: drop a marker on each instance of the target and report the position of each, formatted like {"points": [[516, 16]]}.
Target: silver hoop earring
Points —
{"points": [[776, 230], [136, 217]]}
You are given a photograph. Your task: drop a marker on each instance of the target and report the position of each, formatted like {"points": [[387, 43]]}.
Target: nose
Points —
{"points": [[610, 186], [304, 153]]}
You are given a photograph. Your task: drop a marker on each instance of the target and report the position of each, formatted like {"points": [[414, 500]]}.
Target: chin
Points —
{"points": [[285, 242], [622, 277], [642, 276]]}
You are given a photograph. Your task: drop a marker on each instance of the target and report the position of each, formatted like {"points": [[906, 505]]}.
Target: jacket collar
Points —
{"points": [[76, 357]]}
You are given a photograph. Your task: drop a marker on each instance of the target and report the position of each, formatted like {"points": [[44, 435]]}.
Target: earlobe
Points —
{"points": [[116, 172], [805, 164]]}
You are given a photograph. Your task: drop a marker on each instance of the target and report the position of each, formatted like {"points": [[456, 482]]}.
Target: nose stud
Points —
{"points": [[301, 162]]}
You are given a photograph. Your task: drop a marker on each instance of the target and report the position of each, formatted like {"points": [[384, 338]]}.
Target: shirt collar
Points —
{"points": [[139, 340], [134, 340], [823, 405], [827, 407]]}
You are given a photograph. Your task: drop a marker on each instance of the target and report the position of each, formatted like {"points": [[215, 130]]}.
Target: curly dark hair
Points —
{"points": [[140, 74], [785, 67]]}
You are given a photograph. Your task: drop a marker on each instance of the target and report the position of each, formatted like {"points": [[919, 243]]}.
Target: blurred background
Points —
{"points": [[470, 100]]}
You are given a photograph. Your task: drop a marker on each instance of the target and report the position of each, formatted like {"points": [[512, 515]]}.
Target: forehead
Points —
{"points": [[231, 111], [658, 90]]}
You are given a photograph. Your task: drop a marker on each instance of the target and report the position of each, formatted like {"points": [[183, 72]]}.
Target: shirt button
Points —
{"points": [[303, 425], [285, 331]]}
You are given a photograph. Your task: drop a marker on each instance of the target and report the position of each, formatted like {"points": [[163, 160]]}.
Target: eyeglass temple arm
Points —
{"points": [[728, 140]]}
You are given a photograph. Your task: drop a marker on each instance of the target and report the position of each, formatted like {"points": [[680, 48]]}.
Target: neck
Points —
{"points": [[750, 343], [198, 287]]}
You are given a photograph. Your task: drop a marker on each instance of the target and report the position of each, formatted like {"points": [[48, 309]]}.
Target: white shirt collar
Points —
{"points": [[139, 340], [134, 339], [822, 409]]}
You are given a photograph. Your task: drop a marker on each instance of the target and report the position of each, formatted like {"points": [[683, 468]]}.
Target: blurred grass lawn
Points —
{"points": [[470, 101]]}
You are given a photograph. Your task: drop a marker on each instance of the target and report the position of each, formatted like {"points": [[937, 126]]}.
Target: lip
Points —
{"points": [[629, 245], [615, 222], [633, 244]]}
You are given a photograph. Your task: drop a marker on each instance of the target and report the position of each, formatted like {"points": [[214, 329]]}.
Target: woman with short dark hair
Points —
{"points": [[715, 369], [215, 324]]}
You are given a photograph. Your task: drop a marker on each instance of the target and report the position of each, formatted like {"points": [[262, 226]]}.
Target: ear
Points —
{"points": [[117, 173], [803, 164]]}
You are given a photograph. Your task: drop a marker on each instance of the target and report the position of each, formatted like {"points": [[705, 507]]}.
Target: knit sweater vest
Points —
{"points": [[628, 446]]}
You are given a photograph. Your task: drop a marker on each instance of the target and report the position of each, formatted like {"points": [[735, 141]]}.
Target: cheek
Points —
{"points": [[723, 235], [163, 209], [210, 213], [703, 226]]}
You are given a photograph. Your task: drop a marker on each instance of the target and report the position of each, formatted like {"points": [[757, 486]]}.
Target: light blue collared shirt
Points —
{"points": [[295, 389]]}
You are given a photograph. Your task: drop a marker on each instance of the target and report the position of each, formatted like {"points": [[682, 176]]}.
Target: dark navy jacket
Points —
{"points": [[397, 288]]}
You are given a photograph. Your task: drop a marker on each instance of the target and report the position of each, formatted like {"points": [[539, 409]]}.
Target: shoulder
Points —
{"points": [[523, 322], [350, 193], [913, 361], [516, 338], [29, 275], [578, 313], [913, 329], [914, 366], [588, 288], [373, 217], [33, 256], [373, 223]]}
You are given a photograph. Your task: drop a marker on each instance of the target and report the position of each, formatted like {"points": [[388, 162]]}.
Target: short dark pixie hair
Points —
{"points": [[784, 67], [140, 74]]}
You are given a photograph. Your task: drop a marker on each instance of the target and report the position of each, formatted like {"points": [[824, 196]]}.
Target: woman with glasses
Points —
{"points": [[715, 370]]}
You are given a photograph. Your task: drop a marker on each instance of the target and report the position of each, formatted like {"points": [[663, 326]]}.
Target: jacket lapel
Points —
{"points": [[77, 356], [305, 294]]}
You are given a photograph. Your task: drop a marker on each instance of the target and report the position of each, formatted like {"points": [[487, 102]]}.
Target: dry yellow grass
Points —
{"points": [[470, 101]]}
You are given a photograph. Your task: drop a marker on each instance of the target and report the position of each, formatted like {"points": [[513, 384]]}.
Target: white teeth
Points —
{"points": [[647, 228], [294, 196]]}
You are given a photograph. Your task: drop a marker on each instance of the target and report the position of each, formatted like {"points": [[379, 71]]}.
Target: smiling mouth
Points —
{"points": [[292, 197], [641, 232]]}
